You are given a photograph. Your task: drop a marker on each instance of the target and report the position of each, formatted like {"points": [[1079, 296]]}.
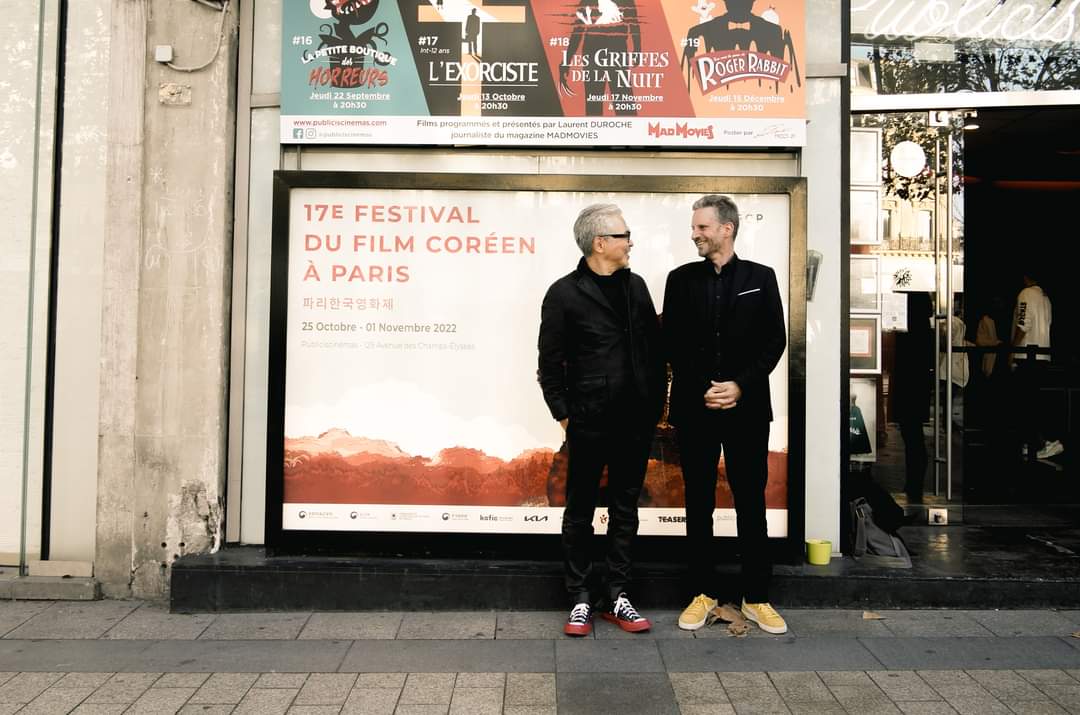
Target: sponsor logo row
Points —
{"points": [[452, 516], [316, 514]]}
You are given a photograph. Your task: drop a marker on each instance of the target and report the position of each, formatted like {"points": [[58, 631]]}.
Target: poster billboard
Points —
{"points": [[406, 310], [544, 73]]}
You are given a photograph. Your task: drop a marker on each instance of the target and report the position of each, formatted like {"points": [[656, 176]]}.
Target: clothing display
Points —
{"points": [[1033, 317], [858, 439]]}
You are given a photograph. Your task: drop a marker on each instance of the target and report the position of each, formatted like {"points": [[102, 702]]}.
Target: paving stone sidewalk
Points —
{"points": [[131, 657]]}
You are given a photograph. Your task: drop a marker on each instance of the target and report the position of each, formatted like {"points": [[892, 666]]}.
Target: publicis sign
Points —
{"points": [[544, 73], [1013, 21]]}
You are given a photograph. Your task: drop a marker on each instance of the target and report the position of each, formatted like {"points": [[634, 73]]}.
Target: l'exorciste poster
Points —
{"points": [[411, 400]]}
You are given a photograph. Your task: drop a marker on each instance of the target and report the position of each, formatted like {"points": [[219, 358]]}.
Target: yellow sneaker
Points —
{"points": [[765, 616], [696, 613]]}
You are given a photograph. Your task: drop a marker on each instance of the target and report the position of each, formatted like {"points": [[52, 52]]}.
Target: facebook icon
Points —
{"points": [[298, 133]]}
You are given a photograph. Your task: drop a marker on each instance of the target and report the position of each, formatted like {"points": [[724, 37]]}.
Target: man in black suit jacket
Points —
{"points": [[724, 330], [602, 373]]}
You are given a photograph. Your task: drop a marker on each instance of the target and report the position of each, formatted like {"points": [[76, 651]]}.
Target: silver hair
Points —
{"points": [[726, 210], [592, 222]]}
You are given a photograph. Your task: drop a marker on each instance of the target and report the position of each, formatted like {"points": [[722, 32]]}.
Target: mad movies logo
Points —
{"points": [[740, 45]]}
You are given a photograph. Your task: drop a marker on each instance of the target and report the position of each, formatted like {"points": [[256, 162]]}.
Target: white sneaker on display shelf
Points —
{"points": [[1051, 449]]}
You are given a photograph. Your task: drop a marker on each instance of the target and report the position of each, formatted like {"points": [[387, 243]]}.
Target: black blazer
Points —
{"points": [[755, 339], [584, 361]]}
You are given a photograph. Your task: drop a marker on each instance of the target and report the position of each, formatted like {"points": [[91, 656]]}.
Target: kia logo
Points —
{"points": [[536, 517]]}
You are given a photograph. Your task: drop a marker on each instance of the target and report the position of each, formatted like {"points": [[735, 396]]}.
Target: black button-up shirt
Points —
{"points": [[719, 310]]}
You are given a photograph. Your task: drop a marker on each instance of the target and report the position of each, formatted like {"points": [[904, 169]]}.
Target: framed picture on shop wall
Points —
{"points": [[865, 157], [865, 286], [865, 345], [865, 216]]}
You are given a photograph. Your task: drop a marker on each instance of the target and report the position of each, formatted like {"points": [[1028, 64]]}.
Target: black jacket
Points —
{"points": [[754, 342], [591, 362]]}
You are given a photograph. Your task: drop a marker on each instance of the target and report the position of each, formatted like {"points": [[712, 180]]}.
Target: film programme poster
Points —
{"points": [[411, 398], [544, 73]]}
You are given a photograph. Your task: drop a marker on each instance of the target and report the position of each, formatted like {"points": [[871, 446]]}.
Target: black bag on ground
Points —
{"points": [[873, 544], [887, 513]]}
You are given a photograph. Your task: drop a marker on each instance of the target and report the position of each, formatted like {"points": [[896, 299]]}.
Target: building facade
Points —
{"points": [[137, 345]]}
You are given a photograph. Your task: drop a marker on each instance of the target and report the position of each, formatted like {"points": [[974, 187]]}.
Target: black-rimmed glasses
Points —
{"points": [[616, 235]]}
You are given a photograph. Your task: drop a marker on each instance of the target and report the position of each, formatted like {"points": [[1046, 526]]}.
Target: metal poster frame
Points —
{"points": [[519, 544]]}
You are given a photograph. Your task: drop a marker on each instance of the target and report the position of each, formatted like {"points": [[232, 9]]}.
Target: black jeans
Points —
{"points": [[625, 453], [915, 458], [745, 444]]}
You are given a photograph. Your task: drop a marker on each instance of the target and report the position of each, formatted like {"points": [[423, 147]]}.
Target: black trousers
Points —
{"points": [[745, 445], [625, 453], [916, 458]]}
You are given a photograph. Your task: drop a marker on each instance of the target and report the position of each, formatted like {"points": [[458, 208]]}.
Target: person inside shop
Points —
{"points": [[986, 335], [723, 324], [1032, 318], [603, 377], [988, 391], [912, 385]]}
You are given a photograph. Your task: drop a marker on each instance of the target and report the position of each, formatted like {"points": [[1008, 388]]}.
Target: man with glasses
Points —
{"points": [[602, 372], [724, 330]]}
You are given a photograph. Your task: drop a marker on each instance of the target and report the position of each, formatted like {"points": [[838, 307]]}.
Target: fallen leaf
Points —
{"points": [[871, 616], [739, 630], [730, 614], [1076, 634]]}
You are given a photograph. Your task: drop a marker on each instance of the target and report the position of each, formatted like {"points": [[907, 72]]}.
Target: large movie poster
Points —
{"points": [[544, 73], [411, 400]]}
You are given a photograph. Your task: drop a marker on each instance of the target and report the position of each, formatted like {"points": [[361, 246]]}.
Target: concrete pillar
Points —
{"points": [[162, 456]]}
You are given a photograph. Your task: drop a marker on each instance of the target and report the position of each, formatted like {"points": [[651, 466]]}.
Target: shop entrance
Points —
{"points": [[992, 193]]}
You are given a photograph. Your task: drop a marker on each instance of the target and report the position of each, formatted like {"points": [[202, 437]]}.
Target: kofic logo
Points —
{"points": [[446, 516], [352, 514], [302, 514], [536, 517]]}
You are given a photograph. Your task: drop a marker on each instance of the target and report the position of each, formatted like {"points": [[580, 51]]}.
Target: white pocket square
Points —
{"points": [[752, 290]]}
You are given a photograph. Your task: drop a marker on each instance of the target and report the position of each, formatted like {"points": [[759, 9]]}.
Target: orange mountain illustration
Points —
{"points": [[339, 468]]}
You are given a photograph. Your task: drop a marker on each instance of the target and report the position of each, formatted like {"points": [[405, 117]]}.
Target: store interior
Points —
{"points": [[1016, 189]]}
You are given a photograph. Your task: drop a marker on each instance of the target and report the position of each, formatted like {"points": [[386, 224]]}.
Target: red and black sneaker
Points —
{"points": [[580, 621], [623, 614]]}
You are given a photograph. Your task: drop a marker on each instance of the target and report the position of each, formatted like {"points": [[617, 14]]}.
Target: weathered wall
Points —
{"points": [[166, 287]]}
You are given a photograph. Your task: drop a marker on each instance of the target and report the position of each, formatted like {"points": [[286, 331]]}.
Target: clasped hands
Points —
{"points": [[722, 395]]}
